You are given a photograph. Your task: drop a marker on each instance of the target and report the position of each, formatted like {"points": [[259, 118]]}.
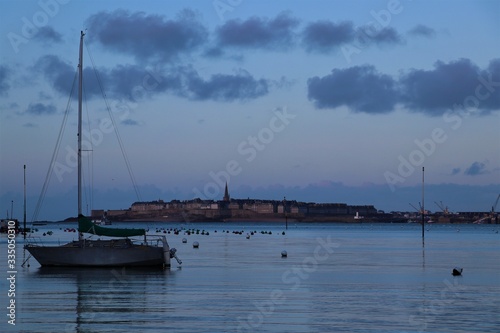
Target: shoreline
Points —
{"points": [[345, 219]]}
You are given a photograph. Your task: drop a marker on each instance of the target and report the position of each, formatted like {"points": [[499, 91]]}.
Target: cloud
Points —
{"points": [[370, 35], [222, 87], [63, 77], [476, 168], [118, 82], [258, 33], [134, 82], [47, 34], [361, 88], [491, 76], [323, 36], [39, 109], [214, 52], [448, 85], [59, 73], [4, 77], [43, 95], [455, 171], [147, 37], [421, 30], [122, 81]]}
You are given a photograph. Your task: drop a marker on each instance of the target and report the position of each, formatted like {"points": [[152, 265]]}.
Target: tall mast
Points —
{"points": [[80, 84]]}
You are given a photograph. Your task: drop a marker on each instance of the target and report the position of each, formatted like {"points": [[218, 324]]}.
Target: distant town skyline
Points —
{"points": [[317, 101]]}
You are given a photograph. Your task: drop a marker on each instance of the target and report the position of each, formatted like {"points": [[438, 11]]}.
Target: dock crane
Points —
{"points": [[493, 216], [442, 207], [418, 210]]}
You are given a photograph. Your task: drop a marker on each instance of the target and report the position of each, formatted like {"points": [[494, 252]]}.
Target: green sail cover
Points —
{"points": [[85, 225]]}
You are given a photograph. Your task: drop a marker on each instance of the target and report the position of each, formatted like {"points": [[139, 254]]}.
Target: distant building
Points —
{"points": [[199, 210], [328, 209], [148, 206]]}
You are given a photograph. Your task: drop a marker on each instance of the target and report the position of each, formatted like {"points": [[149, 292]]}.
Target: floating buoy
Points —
{"points": [[284, 254], [184, 240], [196, 245], [457, 271]]}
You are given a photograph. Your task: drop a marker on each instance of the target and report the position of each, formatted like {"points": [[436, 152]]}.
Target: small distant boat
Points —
{"points": [[102, 221], [119, 251]]}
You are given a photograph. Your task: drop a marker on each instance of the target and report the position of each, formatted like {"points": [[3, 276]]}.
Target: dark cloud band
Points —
{"points": [[258, 33], [433, 92], [147, 37], [134, 82]]}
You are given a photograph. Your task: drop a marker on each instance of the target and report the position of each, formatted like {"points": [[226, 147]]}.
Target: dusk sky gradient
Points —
{"points": [[325, 101]]}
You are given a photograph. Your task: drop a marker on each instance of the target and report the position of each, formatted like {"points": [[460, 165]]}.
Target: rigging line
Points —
{"points": [[45, 186], [89, 193], [117, 133]]}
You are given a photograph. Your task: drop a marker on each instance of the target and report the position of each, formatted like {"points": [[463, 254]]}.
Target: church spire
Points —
{"points": [[226, 195]]}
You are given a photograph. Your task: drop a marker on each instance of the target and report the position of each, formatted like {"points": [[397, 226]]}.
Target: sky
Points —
{"points": [[315, 101]]}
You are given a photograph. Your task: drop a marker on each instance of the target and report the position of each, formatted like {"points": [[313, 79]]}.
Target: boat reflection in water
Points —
{"points": [[89, 300]]}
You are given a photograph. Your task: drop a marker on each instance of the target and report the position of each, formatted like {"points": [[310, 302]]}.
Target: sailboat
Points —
{"points": [[119, 250]]}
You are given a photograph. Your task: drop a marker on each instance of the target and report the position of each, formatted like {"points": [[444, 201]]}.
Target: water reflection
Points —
{"points": [[423, 258], [93, 299]]}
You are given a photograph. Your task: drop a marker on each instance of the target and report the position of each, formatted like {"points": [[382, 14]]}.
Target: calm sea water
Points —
{"points": [[336, 278]]}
